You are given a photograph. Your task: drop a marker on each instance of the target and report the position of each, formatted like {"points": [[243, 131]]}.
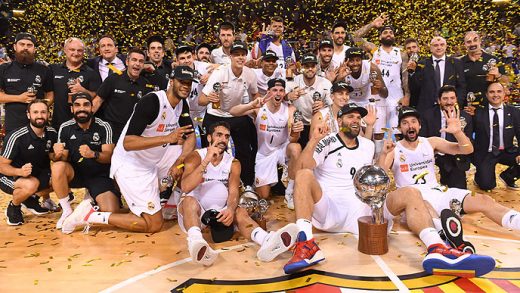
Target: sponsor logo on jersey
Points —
{"points": [[13, 80], [263, 127], [30, 147], [404, 168], [119, 91], [58, 76], [161, 127]]}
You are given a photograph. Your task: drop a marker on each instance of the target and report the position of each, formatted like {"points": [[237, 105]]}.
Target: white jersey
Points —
{"points": [[337, 59], [262, 79], [336, 164], [272, 128], [304, 103], [196, 111], [412, 167], [333, 122], [166, 122], [361, 85], [278, 50], [213, 192], [390, 66]]}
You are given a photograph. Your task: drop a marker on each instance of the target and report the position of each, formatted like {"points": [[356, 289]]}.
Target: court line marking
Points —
{"points": [[164, 267], [384, 267]]}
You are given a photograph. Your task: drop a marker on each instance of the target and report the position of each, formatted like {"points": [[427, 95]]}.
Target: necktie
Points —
{"points": [[495, 146], [111, 67], [438, 81]]}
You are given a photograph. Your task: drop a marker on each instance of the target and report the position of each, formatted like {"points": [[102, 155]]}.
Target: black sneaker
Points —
{"points": [[13, 215], [453, 231], [508, 182], [32, 203], [165, 195]]}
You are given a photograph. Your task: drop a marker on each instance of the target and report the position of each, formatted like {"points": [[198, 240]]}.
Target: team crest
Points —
{"points": [[156, 88], [402, 158], [80, 78], [95, 137], [163, 116], [151, 206], [48, 146], [263, 117], [139, 94], [339, 163], [37, 79]]}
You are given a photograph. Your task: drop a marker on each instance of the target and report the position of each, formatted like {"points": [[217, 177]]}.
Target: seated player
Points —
{"points": [[211, 182], [325, 198], [412, 162]]}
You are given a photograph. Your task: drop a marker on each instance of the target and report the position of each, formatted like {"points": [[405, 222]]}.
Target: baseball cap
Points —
{"points": [[407, 111], [183, 48], [184, 73], [352, 107], [238, 45], [386, 27], [81, 95], [219, 231], [25, 36], [309, 58], [269, 54], [274, 82], [341, 85], [326, 43], [354, 52]]}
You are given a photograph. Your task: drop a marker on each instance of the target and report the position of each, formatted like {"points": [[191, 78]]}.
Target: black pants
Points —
{"points": [[451, 174], [243, 133], [485, 164]]}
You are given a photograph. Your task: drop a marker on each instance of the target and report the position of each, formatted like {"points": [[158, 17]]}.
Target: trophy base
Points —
{"points": [[262, 223], [373, 238]]}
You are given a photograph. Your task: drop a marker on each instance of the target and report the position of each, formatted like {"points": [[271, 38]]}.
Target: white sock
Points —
{"points": [[99, 217], [511, 220], [65, 205], [290, 187], [429, 236], [437, 224], [305, 226], [194, 232], [258, 235]]}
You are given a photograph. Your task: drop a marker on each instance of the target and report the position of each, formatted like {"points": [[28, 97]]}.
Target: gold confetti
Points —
{"points": [[171, 280]]}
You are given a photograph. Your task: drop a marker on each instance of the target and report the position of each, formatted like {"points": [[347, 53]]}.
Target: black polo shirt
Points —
{"points": [[120, 94], [89, 79], [161, 76], [475, 73], [15, 79], [23, 146], [73, 136]]}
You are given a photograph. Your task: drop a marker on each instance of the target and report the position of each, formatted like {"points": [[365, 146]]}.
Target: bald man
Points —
{"points": [[436, 71]]}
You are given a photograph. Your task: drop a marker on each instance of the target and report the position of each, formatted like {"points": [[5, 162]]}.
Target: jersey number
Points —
{"points": [[352, 172], [385, 72], [419, 179]]}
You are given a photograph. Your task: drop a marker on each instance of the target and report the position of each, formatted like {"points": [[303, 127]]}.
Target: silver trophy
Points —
{"points": [[372, 184], [414, 57], [167, 182], [217, 87], [297, 116], [373, 76], [31, 89], [256, 208]]}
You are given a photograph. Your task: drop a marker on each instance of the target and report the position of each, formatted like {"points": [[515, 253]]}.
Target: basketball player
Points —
{"points": [[155, 141], [211, 182], [324, 198], [412, 162], [277, 138]]}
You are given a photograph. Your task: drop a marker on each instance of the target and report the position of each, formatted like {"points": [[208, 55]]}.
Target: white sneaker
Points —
{"points": [[278, 242], [64, 215], [78, 217], [289, 201], [201, 252]]}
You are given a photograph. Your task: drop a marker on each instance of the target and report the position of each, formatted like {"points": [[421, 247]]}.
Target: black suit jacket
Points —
{"points": [[431, 125], [94, 62], [481, 128], [423, 82]]}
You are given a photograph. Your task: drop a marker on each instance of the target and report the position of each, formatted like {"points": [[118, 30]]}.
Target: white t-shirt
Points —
{"points": [[304, 103], [233, 88]]}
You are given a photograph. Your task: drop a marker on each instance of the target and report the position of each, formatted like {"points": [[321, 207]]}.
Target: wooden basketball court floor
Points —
{"points": [[37, 257]]}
